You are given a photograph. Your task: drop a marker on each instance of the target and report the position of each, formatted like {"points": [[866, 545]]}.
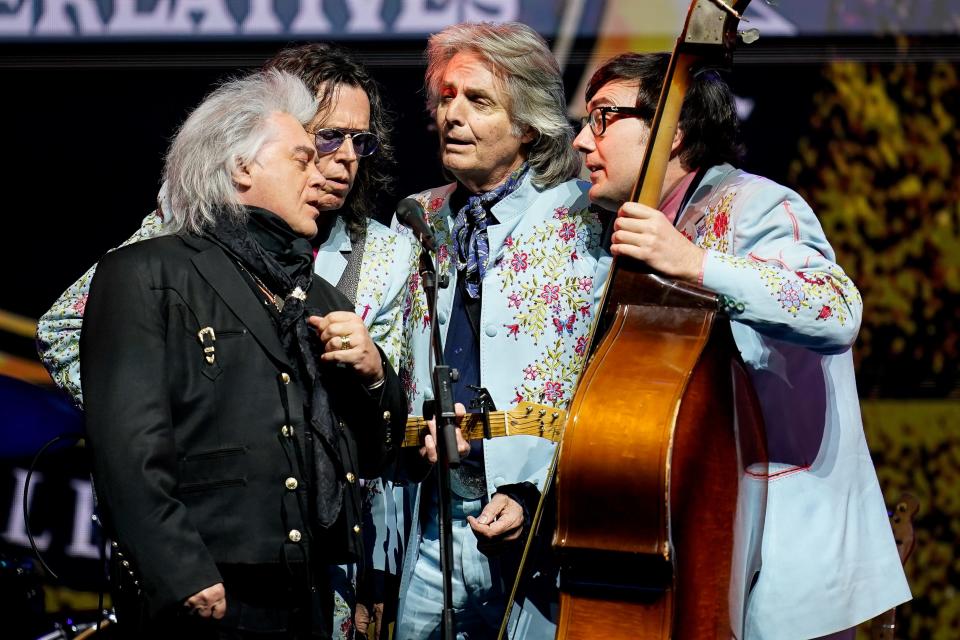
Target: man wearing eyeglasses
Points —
{"points": [[365, 260], [828, 559]]}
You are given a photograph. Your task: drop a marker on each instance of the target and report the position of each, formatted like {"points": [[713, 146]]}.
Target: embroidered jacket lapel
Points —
{"points": [[694, 211]]}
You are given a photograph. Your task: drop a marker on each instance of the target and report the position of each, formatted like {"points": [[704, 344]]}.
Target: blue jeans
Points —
{"points": [[478, 599]]}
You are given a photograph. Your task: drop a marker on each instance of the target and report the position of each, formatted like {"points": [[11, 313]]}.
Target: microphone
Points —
{"points": [[410, 214]]}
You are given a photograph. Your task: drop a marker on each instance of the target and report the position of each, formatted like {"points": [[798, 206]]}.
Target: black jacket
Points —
{"points": [[195, 461]]}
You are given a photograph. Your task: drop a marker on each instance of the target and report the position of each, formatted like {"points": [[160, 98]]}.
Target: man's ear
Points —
{"points": [[529, 134], [241, 175], [677, 142]]}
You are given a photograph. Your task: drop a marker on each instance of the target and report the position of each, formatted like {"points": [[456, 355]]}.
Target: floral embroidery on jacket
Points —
{"points": [[538, 291], [712, 230], [828, 293], [536, 276], [376, 271], [550, 379]]}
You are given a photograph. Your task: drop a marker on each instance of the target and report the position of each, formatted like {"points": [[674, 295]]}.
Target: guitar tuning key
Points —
{"points": [[749, 36]]}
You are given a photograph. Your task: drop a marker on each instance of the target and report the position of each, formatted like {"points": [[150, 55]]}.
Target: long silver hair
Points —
{"points": [[224, 133], [529, 75]]}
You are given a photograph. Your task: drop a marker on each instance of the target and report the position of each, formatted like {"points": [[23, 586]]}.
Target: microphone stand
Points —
{"points": [[447, 454]]}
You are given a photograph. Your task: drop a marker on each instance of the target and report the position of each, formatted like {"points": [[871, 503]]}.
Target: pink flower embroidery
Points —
{"points": [[426, 320], [552, 391], [435, 204], [512, 330], [720, 224], [530, 372], [517, 399], [519, 262], [508, 241], [825, 312], [550, 293], [581, 346], [514, 300], [442, 253], [80, 304], [414, 282], [811, 280], [586, 283], [568, 231], [584, 311], [574, 256], [560, 213]]}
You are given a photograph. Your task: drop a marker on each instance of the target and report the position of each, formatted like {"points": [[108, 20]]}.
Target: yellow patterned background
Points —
{"points": [[881, 166]]}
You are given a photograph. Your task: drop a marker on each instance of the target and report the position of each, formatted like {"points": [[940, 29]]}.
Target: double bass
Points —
{"points": [[661, 475]]}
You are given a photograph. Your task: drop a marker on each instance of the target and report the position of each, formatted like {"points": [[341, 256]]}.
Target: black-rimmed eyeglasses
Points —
{"points": [[330, 139], [597, 118]]}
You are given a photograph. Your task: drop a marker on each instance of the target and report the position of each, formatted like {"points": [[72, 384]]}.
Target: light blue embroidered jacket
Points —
{"points": [[545, 273], [828, 556]]}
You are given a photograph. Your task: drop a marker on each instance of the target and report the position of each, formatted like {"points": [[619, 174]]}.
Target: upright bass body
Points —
{"points": [[661, 477], [660, 484]]}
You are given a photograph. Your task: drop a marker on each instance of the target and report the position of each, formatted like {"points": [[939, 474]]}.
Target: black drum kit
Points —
{"points": [[72, 630], [22, 592]]}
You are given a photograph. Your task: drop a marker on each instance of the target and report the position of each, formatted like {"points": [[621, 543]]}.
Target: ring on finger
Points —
{"points": [[345, 342]]}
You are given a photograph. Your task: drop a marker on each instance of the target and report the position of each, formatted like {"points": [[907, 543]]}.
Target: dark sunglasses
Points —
{"points": [[329, 140]]}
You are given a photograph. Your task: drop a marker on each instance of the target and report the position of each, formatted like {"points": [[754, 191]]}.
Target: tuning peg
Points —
{"points": [[749, 36]]}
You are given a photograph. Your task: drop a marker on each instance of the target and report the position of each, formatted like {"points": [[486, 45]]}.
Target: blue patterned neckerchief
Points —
{"points": [[470, 242]]}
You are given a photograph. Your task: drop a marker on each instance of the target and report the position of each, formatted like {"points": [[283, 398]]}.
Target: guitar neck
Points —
{"points": [[544, 422]]}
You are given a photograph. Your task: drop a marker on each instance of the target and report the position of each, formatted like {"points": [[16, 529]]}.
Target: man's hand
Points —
{"points": [[429, 448], [500, 521], [644, 233], [364, 620], [209, 603], [345, 339]]}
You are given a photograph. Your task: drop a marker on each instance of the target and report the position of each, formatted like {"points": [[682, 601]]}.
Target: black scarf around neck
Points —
{"points": [[283, 260]]}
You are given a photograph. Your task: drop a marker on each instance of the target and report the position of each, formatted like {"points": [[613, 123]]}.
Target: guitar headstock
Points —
{"points": [[710, 30], [536, 420]]}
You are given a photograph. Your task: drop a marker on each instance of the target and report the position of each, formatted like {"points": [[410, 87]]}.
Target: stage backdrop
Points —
{"points": [[853, 103]]}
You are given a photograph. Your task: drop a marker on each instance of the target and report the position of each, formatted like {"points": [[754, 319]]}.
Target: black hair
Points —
{"points": [[323, 67], [708, 118]]}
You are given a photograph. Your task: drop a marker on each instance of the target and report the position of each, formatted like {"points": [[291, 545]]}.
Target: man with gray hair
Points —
{"points": [[232, 397], [524, 258]]}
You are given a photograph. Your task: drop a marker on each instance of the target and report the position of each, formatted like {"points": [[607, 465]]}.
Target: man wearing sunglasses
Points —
{"points": [[365, 260], [828, 560]]}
